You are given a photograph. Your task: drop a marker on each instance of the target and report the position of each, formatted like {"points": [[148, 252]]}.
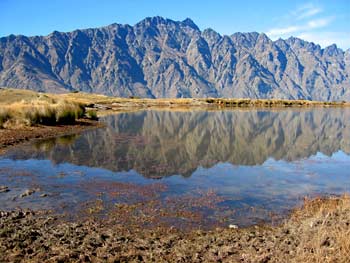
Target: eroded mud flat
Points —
{"points": [[199, 169], [317, 231]]}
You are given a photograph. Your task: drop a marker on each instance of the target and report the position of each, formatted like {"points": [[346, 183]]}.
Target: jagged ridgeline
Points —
{"points": [[160, 57]]}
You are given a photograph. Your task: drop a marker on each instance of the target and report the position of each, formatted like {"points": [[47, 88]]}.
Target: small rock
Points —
{"points": [[233, 226], [4, 214], [286, 231], [102, 107], [43, 195], [18, 215], [27, 192], [326, 242], [4, 189]]}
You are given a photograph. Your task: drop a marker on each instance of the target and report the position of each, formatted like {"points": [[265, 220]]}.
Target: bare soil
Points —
{"points": [[311, 234]]}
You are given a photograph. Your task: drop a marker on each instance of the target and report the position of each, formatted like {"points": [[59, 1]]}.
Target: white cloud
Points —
{"points": [[309, 25], [317, 23], [306, 11], [282, 31], [309, 13], [309, 22]]}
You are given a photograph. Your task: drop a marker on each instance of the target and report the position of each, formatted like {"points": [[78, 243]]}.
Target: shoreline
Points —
{"points": [[222, 102], [129, 105], [314, 232], [12, 137], [8, 96]]}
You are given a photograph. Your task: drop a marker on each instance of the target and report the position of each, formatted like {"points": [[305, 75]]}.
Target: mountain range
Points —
{"points": [[159, 57]]}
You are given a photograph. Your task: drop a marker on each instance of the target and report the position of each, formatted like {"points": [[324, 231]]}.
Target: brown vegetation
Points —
{"points": [[324, 227], [27, 115], [102, 102], [40, 112], [272, 102]]}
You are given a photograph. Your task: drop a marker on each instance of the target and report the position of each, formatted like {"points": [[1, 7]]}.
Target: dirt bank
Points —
{"points": [[316, 233], [16, 135]]}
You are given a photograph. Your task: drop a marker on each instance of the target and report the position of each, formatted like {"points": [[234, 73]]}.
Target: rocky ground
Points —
{"points": [[316, 233]]}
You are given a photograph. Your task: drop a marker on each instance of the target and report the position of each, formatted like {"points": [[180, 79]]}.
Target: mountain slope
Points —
{"points": [[160, 57]]}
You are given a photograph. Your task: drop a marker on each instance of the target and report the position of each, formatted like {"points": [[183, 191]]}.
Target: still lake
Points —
{"points": [[240, 166]]}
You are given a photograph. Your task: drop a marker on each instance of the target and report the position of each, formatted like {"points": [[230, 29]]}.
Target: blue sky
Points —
{"points": [[323, 22]]}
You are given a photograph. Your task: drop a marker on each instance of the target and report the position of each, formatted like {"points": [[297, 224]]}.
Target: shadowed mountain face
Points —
{"points": [[163, 143], [163, 58]]}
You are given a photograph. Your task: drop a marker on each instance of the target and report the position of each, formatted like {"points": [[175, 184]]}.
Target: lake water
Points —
{"points": [[200, 168]]}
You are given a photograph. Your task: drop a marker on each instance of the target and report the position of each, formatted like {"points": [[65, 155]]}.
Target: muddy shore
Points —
{"points": [[13, 136], [315, 232]]}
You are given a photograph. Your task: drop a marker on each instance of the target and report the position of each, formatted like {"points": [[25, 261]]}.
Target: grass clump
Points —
{"points": [[4, 117], [68, 113], [41, 112], [92, 114], [40, 115], [324, 230]]}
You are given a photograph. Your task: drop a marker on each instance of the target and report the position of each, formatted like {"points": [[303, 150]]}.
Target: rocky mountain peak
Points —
{"points": [[297, 42], [160, 57], [211, 36], [153, 21], [247, 40], [263, 38], [188, 22], [332, 50]]}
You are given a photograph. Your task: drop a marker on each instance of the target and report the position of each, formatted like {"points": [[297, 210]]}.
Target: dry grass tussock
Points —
{"points": [[37, 111], [323, 228]]}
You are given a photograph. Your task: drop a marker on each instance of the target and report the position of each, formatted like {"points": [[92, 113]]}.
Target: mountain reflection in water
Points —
{"points": [[165, 143], [236, 165]]}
